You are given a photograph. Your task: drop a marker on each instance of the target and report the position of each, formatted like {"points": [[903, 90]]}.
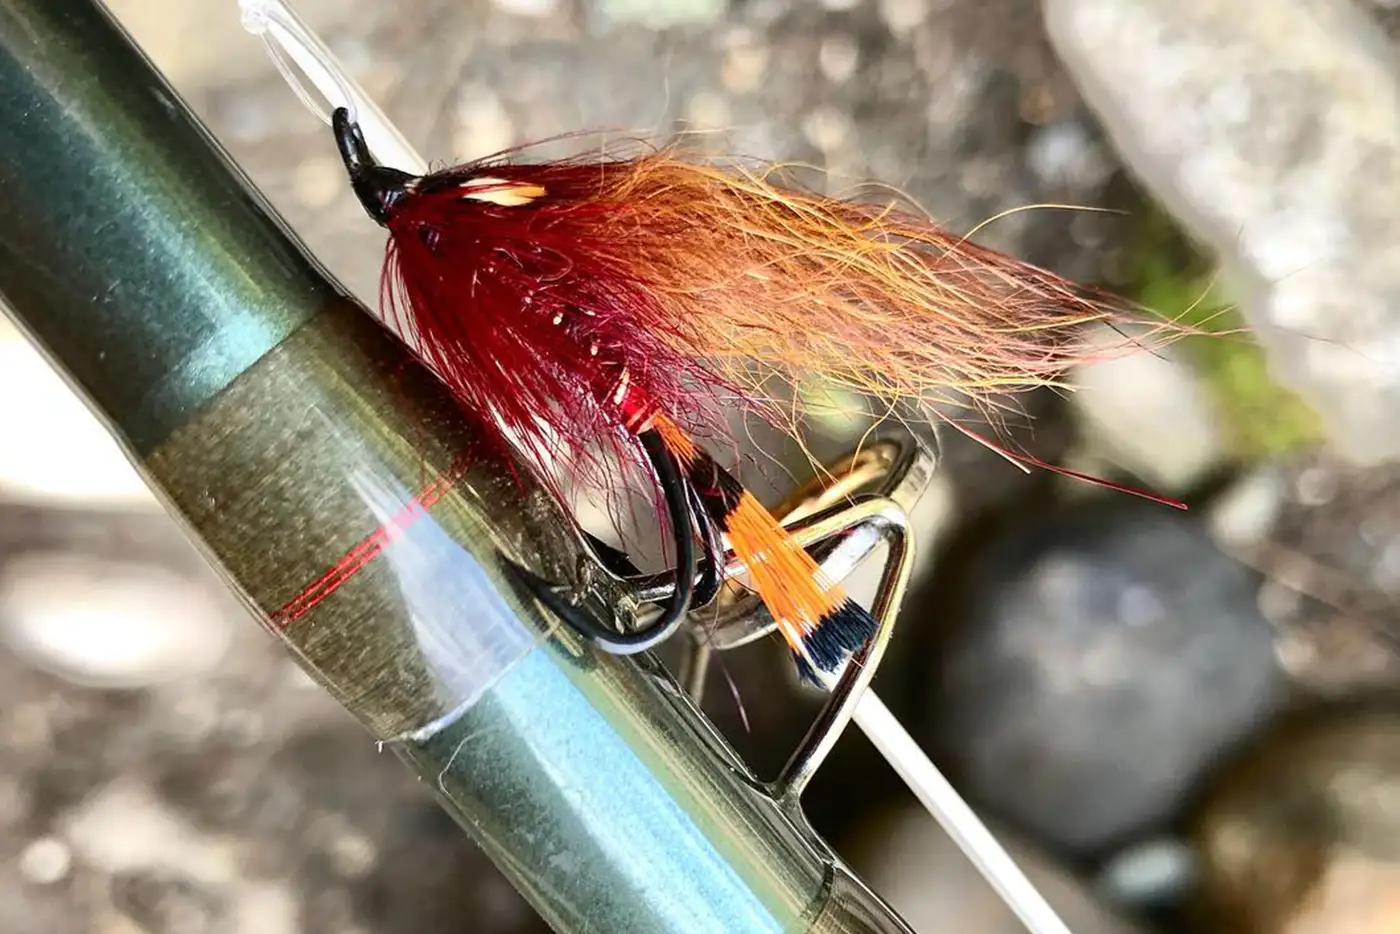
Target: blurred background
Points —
{"points": [[1181, 722]]}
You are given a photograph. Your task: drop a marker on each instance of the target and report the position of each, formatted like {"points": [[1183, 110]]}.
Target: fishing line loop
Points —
{"points": [[292, 48], [302, 58]]}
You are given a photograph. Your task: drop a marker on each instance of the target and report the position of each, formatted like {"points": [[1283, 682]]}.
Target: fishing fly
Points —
{"points": [[609, 308]]}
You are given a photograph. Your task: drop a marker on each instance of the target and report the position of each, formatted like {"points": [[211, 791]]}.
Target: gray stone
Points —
{"points": [[1105, 658], [1148, 874], [919, 870], [1330, 550], [1302, 834], [1272, 131]]}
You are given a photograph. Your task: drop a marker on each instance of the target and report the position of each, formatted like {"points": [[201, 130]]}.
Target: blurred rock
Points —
{"points": [[45, 861], [1146, 412], [1063, 154], [109, 624], [913, 864], [55, 451], [1302, 836], [1150, 874], [169, 903], [528, 7], [1386, 13], [237, 803], [1329, 546], [660, 14], [838, 58], [903, 16], [1273, 133], [1105, 656], [1244, 513]]}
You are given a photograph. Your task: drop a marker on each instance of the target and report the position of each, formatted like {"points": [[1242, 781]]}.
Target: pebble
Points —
{"points": [[271, 908], [1300, 835], [352, 854], [1245, 513], [838, 58], [745, 64], [1106, 656], [125, 827], [662, 14], [709, 111], [45, 861], [1153, 873], [532, 8], [1062, 155], [108, 624], [962, 89], [826, 128], [903, 16], [1227, 112]]}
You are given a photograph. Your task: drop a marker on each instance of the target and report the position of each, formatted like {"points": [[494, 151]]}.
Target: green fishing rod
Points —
{"points": [[332, 482]]}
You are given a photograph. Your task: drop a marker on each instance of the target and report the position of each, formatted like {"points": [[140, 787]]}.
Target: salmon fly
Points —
{"points": [[616, 306]]}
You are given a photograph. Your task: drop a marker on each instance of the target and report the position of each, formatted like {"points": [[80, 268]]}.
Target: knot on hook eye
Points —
{"points": [[378, 187]]}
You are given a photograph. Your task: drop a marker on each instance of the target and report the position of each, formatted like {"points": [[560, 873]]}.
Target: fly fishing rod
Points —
{"points": [[339, 490]]}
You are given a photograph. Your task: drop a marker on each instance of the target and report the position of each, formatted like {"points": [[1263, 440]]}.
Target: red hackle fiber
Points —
{"points": [[536, 289], [536, 313]]}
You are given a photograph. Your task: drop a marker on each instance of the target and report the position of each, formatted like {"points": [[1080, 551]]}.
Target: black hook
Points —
{"points": [[378, 187], [680, 505], [710, 579], [654, 587]]}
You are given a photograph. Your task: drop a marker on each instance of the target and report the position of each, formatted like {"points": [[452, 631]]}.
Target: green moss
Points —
{"points": [[1169, 275]]}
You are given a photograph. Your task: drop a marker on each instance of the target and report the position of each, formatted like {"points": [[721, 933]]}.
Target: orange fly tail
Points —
{"points": [[820, 623]]}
